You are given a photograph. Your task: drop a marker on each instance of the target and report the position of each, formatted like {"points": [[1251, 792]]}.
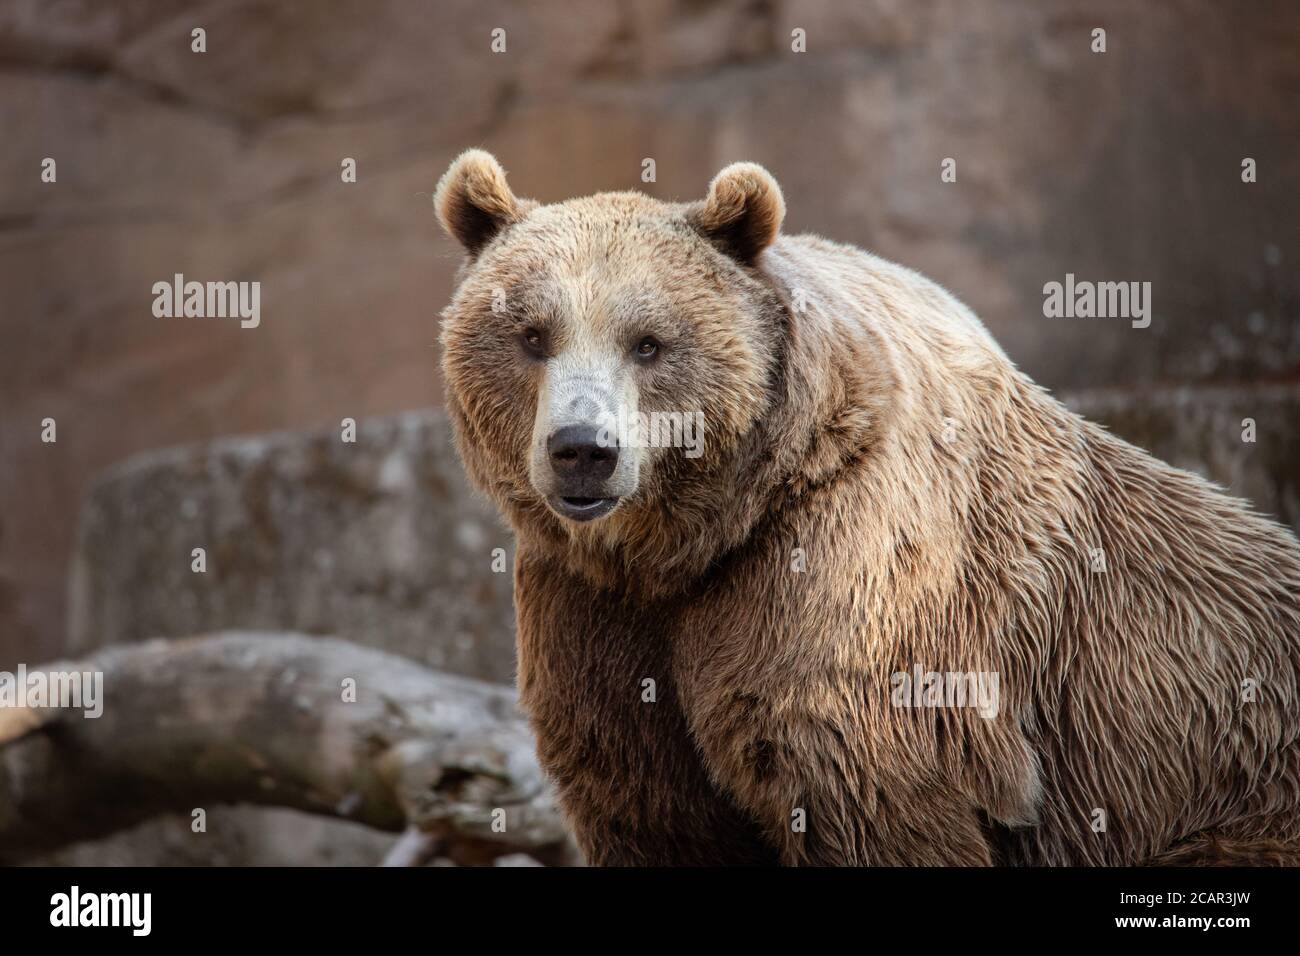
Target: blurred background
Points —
{"points": [[225, 165]]}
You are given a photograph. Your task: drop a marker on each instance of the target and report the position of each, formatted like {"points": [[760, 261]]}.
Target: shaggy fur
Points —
{"points": [[881, 489]]}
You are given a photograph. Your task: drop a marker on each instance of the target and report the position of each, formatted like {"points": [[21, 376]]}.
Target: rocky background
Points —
{"points": [[225, 165]]}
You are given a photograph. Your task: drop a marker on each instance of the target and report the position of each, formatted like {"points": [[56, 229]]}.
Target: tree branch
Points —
{"points": [[262, 718]]}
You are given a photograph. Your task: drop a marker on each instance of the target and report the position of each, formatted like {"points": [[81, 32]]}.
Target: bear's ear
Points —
{"points": [[473, 202], [742, 213]]}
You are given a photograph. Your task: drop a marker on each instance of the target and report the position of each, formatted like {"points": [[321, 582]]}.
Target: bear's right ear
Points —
{"points": [[473, 202], [742, 213]]}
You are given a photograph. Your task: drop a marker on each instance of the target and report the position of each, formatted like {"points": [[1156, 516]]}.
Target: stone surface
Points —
{"points": [[380, 542]]}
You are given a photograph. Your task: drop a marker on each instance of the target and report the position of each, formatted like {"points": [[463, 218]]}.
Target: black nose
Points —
{"points": [[577, 454]]}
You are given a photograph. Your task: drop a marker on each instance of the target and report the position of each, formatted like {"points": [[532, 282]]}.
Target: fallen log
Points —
{"points": [[316, 724]]}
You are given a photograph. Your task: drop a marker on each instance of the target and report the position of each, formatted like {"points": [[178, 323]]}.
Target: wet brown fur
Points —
{"points": [[946, 509]]}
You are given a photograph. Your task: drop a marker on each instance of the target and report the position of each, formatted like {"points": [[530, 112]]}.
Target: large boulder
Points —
{"points": [[379, 541]]}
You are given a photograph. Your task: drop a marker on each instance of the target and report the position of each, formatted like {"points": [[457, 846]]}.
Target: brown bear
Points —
{"points": [[861, 592]]}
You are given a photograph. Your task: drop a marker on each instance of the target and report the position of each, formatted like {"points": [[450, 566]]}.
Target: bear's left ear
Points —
{"points": [[473, 201], [742, 213]]}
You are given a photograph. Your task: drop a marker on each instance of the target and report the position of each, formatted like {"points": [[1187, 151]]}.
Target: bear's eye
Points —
{"points": [[648, 347], [533, 341]]}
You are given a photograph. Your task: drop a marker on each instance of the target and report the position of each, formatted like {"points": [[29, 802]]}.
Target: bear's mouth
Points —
{"points": [[583, 509]]}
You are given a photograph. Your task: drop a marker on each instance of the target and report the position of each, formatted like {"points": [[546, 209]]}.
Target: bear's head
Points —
{"points": [[608, 361]]}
